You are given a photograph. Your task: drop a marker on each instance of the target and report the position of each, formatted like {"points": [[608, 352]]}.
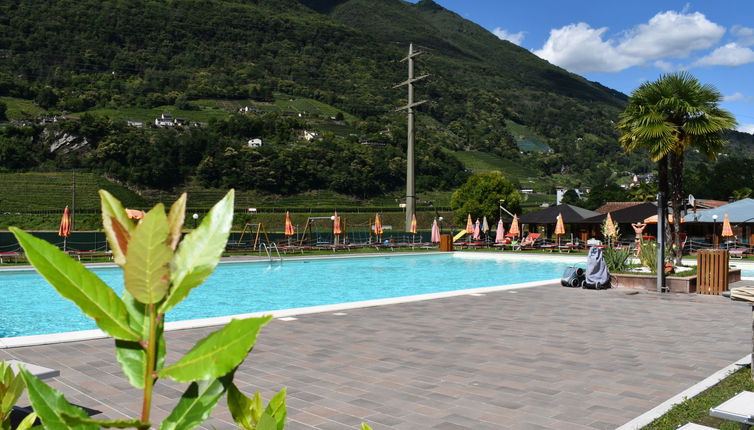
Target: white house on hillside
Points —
{"points": [[165, 120], [255, 142]]}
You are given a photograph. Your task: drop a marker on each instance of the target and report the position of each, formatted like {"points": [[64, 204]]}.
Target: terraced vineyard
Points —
{"points": [[38, 191]]}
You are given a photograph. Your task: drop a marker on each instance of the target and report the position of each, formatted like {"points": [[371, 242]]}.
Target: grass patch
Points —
{"points": [[34, 191], [527, 140], [21, 108], [697, 409]]}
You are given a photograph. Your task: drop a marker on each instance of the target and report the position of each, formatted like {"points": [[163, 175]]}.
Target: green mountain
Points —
{"points": [[325, 65]]}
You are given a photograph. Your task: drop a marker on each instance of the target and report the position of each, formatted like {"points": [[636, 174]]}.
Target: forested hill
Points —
{"points": [[111, 57]]}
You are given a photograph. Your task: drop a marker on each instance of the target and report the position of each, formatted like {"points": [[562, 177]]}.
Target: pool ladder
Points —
{"points": [[267, 249]]}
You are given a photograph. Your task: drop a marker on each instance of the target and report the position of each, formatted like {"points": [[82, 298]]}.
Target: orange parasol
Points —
{"points": [[653, 219], [336, 224], [135, 213], [469, 226], [65, 226], [413, 224], [288, 225], [377, 225], [727, 231], [559, 226], [514, 227]]}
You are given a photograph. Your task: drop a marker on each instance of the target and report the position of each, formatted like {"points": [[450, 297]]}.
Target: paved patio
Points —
{"points": [[536, 358]]}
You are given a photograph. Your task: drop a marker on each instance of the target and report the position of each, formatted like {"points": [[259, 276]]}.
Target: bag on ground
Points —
{"points": [[596, 276]]}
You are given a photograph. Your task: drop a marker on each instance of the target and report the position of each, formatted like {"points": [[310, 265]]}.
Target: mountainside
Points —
{"points": [[205, 59]]}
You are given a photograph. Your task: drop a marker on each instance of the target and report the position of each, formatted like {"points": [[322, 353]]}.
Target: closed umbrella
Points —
{"points": [[435, 238], [288, 227], [413, 224], [727, 230], [559, 227], [336, 227], [477, 230], [378, 227], [485, 227], [469, 225], [514, 230], [500, 234], [65, 226]]}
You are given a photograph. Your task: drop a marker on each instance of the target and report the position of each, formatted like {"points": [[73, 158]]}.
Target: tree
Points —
{"points": [[608, 192], [3, 111], [571, 197], [667, 117], [481, 196], [643, 192]]}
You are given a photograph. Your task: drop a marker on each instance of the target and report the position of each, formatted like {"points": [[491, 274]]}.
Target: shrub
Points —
{"points": [[616, 259]]}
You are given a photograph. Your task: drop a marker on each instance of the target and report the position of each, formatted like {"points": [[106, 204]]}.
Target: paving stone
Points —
{"points": [[546, 357]]}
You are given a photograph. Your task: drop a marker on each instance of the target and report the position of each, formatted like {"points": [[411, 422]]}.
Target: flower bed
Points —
{"points": [[675, 284]]}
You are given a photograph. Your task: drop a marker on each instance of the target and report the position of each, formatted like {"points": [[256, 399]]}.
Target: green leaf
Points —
{"points": [[118, 424], [50, 405], [176, 217], [72, 281], [27, 422], [266, 422], [11, 389], [240, 407], [364, 426], [147, 269], [196, 404], [117, 226], [218, 353], [276, 409], [199, 252], [131, 355]]}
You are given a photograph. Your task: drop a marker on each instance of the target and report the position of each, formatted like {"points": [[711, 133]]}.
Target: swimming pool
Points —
{"points": [[30, 306]]}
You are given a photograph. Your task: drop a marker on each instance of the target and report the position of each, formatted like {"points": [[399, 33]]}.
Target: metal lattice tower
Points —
{"points": [[409, 108]]}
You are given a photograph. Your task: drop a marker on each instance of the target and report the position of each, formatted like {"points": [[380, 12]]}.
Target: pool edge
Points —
{"points": [[75, 336]]}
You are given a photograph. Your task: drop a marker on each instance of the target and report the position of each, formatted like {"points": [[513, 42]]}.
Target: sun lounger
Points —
{"points": [[529, 242], [8, 255], [737, 253]]}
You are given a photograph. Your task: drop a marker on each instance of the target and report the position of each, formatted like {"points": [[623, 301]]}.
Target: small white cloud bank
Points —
{"points": [[583, 49], [730, 54], [746, 128], [503, 34], [744, 35], [733, 97]]}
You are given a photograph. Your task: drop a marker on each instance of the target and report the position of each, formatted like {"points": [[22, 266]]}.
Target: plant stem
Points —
{"points": [[148, 373]]}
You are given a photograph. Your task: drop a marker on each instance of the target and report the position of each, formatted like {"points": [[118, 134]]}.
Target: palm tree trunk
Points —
{"points": [[676, 199], [662, 179]]}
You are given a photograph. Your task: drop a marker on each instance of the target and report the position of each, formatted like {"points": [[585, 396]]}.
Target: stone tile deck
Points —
{"points": [[536, 358]]}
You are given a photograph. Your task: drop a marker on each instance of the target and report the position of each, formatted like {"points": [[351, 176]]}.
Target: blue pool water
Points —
{"points": [[31, 306]]}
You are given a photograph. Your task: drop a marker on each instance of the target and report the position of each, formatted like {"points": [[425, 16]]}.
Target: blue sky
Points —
{"points": [[622, 44]]}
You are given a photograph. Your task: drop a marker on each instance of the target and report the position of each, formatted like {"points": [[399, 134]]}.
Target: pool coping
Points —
{"points": [[74, 336]]}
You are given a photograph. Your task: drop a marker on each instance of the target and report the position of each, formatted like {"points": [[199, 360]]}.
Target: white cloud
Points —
{"points": [[728, 55], [665, 66], [581, 48], [672, 35], [745, 35], [746, 128], [733, 97], [502, 33]]}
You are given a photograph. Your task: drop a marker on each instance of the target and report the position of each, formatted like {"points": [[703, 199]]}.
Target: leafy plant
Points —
{"points": [[250, 413], [616, 259], [11, 388], [159, 271]]}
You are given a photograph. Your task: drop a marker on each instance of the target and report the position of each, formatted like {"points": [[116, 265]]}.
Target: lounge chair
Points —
{"points": [[528, 242]]}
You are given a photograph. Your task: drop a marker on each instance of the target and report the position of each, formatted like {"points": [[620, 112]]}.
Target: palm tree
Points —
{"points": [[643, 192], [668, 116]]}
